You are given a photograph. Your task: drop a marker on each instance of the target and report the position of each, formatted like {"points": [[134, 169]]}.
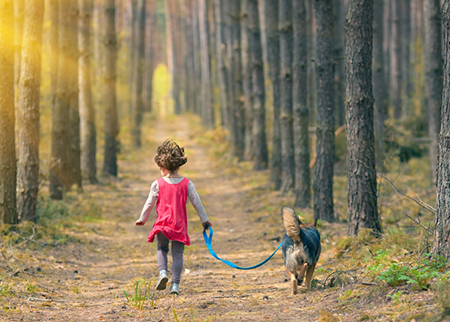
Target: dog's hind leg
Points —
{"points": [[293, 279], [309, 274], [302, 273]]}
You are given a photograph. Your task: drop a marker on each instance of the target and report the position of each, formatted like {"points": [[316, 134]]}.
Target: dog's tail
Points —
{"points": [[291, 224]]}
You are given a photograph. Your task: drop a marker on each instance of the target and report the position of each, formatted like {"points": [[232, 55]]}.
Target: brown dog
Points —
{"points": [[301, 248]]}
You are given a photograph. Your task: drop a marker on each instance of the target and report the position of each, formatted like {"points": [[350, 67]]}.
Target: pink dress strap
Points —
{"points": [[171, 219]]}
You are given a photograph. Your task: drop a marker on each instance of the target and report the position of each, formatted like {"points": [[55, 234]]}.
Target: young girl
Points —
{"points": [[171, 193]]}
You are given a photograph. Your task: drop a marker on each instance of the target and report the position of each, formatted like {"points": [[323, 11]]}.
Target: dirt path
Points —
{"points": [[86, 281]]}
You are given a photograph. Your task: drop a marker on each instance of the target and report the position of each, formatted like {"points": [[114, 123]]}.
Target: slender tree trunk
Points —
{"points": [[433, 75], [197, 69], [207, 108], [273, 58], [28, 116], [170, 47], [232, 14], [138, 74], [111, 123], [339, 77], [8, 211], [189, 95], [150, 32], [379, 83], [324, 168], [259, 141], [442, 221], [406, 58], [387, 28], [286, 117], [97, 58], [300, 103], [19, 14], [246, 80], [220, 63], [87, 111], [362, 176], [395, 62], [312, 79]]}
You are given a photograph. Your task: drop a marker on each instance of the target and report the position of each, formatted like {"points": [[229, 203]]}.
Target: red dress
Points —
{"points": [[171, 219]]}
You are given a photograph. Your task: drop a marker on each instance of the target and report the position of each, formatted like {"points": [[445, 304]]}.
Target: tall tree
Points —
{"points": [[300, 103], [189, 57], [28, 111], [433, 75], [87, 111], [196, 57], [380, 91], [110, 56], [8, 211], [362, 176], [286, 122], [246, 80], [406, 86], [233, 46], [171, 29], [273, 58], [339, 78], [19, 14], [259, 141], [150, 33], [324, 168], [138, 55], [207, 107], [220, 63], [442, 221], [395, 58]]}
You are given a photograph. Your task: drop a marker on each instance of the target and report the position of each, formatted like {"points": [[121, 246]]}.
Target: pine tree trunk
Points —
{"points": [[111, 123], [406, 56], [220, 63], [150, 32], [286, 117], [259, 141], [232, 14], [395, 61], [324, 168], [380, 91], [362, 176], [207, 108], [300, 103], [87, 111], [246, 80], [339, 77], [189, 95], [442, 221], [28, 111], [197, 69], [8, 211], [19, 14], [138, 74], [273, 58], [433, 75]]}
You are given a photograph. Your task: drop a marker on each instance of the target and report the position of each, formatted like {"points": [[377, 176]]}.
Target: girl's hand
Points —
{"points": [[206, 223], [139, 223]]}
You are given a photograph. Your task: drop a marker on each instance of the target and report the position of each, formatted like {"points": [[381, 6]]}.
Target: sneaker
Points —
{"points": [[175, 289], [162, 281]]}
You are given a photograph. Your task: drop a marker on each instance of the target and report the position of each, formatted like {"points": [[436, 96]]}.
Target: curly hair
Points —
{"points": [[170, 156]]}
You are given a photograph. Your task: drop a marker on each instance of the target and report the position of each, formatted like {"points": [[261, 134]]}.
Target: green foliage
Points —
{"points": [[32, 288], [396, 296], [5, 290], [395, 274], [142, 293]]}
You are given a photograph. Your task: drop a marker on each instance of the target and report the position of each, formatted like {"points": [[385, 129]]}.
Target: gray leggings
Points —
{"points": [[162, 249]]}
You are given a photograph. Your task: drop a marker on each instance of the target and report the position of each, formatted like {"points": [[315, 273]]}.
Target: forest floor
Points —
{"points": [[83, 276]]}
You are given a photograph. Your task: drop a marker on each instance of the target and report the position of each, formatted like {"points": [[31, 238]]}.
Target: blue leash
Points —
{"points": [[208, 240]]}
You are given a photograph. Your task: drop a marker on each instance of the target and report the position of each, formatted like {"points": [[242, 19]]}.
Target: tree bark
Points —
{"points": [[111, 123], [138, 74], [28, 116], [19, 14], [246, 80], [189, 95], [207, 108], [380, 91], [433, 75], [232, 14], [273, 58], [8, 211], [300, 102], [197, 68], [442, 221], [87, 111], [259, 141], [362, 175], [286, 117], [395, 61], [324, 168], [220, 63], [150, 32], [339, 67], [406, 58]]}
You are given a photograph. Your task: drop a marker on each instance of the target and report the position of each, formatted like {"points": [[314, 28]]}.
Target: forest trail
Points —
{"points": [[86, 281]]}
